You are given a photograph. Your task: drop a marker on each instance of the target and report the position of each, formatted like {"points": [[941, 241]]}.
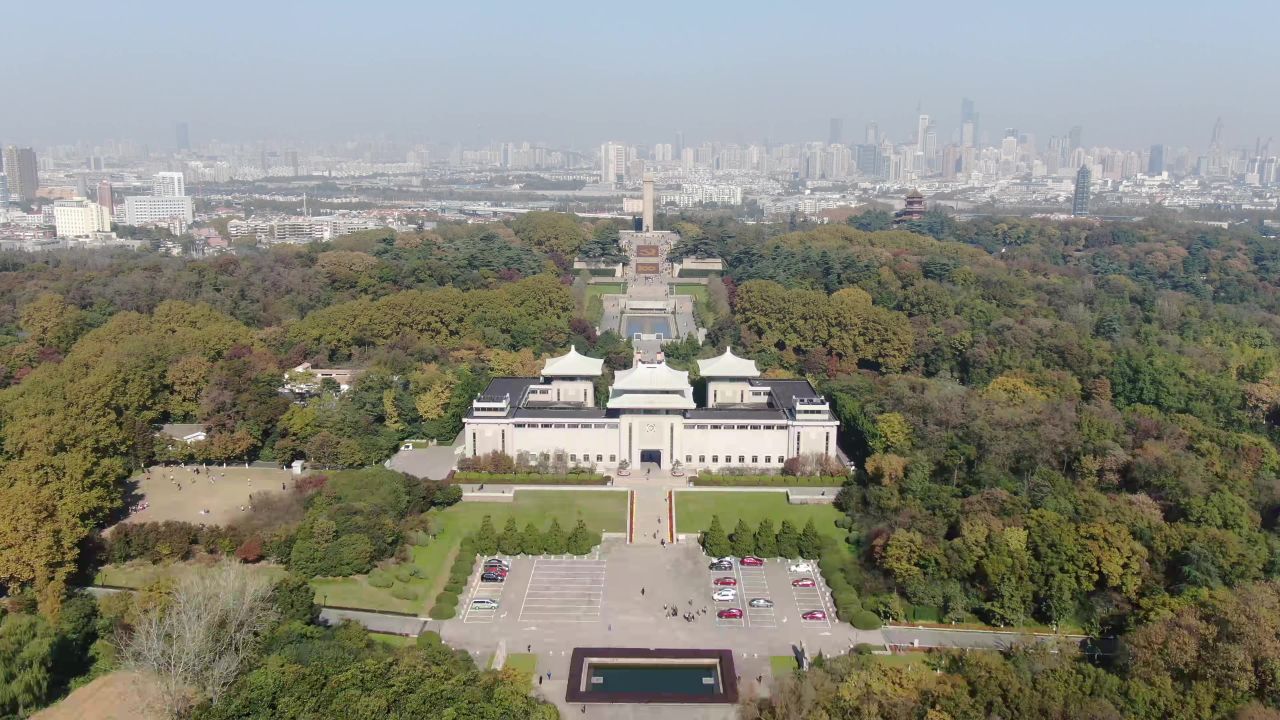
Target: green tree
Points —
{"points": [[294, 599], [743, 540], [788, 540], [486, 537], [766, 540], [510, 542], [580, 541], [810, 543], [531, 540], [714, 540], [554, 542], [27, 648]]}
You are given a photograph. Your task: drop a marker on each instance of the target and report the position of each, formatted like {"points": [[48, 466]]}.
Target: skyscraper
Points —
{"points": [[873, 134], [4, 190], [1155, 161], [106, 196], [613, 163], [183, 136], [835, 135], [1074, 136], [679, 148], [1080, 203], [20, 166], [968, 124], [922, 129]]}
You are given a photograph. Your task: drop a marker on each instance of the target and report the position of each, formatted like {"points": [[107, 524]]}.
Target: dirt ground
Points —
{"points": [[221, 491], [116, 696]]}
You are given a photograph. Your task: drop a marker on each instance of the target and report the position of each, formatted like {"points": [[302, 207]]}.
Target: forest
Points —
{"points": [[1058, 424]]}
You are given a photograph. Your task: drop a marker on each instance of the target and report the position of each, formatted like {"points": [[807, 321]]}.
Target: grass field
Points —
{"points": [[782, 665], [604, 511], [393, 640], [699, 292], [694, 511], [526, 664], [598, 289], [902, 660], [140, 573]]}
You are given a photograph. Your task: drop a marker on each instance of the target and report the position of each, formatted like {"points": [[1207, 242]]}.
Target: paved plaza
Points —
{"points": [[624, 595]]}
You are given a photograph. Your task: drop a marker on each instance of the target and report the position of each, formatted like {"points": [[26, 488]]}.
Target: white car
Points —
{"points": [[484, 604], [725, 595], [800, 567], [723, 560]]}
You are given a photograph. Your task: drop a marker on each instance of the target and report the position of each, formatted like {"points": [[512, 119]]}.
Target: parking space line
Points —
{"points": [[811, 596], [564, 589], [481, 590]]}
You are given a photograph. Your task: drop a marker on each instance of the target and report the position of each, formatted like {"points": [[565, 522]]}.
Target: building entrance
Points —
{"points": [[651, 456]]}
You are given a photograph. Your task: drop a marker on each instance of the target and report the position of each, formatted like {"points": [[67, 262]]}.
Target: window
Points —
{"points": [[599, 458], [702, 458], [688, 458], [755, 459], [742, 459], [755, 427], [768, 459], [715, 459], [613, 458], [573, 458]]}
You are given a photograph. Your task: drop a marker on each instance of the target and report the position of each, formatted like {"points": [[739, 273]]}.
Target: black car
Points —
{"points": [[491, 577], [721, 566]]}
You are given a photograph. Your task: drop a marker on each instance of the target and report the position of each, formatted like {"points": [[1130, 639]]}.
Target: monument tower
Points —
{"points": [[647, 220]]}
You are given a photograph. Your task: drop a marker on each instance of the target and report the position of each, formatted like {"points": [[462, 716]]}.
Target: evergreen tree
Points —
{"points": [[486, 537], [531, 542], [580, 540], [27, 651], [766, 539], [554, 542], [810, 542], [744, 540], [788, 540], [510, 541], [714, 541]]}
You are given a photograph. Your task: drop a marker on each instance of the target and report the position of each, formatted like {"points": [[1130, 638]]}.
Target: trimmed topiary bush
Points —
{"points": [[443, 612], [448, 598], [865, 620], [455, 588], [404, 592], [380, 580]]}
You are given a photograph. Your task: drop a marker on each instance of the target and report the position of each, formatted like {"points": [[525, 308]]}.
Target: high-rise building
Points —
{"points": [[1075, 136], [106, 196], [20, 166], [1080, 202], [182, 136], [679, 148], [969, 120], [1155, 161], [613, 163], [873, 134], [169, 184], [4, 190], [922, 129], [80, 218], [967, 135], [143, 209], [835, 134]]}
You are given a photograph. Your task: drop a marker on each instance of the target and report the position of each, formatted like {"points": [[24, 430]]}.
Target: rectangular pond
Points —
{"points": [[647, 325], [651, 675]]}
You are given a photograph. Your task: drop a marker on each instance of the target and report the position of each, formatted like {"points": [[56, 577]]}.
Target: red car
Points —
{"points": [[730, 614], [496, 570], [803, 582], [752, 561], [725, 582], [813, 615]]}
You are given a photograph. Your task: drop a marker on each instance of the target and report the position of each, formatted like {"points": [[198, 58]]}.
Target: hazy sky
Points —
{"points": [[1132, 72]]}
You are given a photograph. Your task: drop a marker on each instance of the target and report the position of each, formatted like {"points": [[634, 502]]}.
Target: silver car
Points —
{"points": [[761, 603]]}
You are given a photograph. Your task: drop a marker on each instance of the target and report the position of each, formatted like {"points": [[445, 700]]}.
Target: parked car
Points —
{"points": [[724, 595], [725, 559], [800, 567], [497, 562], [803, 582], [813, 615], [492, 577], [761, 603], [495, 569], [725, 582], [484, 604], [721, 566], [730, 613], [751, 561]]}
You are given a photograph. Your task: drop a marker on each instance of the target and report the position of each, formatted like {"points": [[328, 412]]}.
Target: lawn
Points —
{"points": [[782, 665], [393, 640], [694, 511], [699, 292], [595, 290], [140, 573], [902, 660], [604, 511]]}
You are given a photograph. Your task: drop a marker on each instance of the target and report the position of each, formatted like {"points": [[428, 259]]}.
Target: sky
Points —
{"points": [[574, 74]]}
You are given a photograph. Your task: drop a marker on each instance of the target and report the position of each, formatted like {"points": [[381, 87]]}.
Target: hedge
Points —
{"points": [[530, 478], [926, 613], [707, 479], [380, 580], [865, 620], [453, 587], [446, 598], [443, 612]]}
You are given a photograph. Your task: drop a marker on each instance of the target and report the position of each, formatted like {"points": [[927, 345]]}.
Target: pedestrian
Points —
{"points": [[528, 648], [642, 592], [584, 709], [664, 542], [539, 679], [282, 486], [548, 676]]}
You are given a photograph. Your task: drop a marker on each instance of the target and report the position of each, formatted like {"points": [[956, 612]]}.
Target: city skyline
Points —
{"points": [[528, 73]]}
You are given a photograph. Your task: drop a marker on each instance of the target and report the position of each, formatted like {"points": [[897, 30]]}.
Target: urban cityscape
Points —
{"points": [[663, 362]]}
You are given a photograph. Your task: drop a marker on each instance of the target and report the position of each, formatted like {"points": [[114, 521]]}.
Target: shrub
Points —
{"points": [[926, 614], [580, 540], [583, 478], [467, 547], [707, 479], [452, 587], [864, 649], [404, 592], [447, 598], [403, 575], [714, 541], [531, 540], [443, 612], [250, 551], [294, 599], [554, 542], [865, 620], [380, 579]]}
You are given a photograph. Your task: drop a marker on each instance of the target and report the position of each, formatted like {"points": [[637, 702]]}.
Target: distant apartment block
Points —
{"points": [[169, 184], [20, 166], [80, 218], [143, 210]]}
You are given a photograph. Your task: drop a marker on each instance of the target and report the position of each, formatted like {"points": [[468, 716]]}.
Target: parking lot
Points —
{"points": [[564, 589]]}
